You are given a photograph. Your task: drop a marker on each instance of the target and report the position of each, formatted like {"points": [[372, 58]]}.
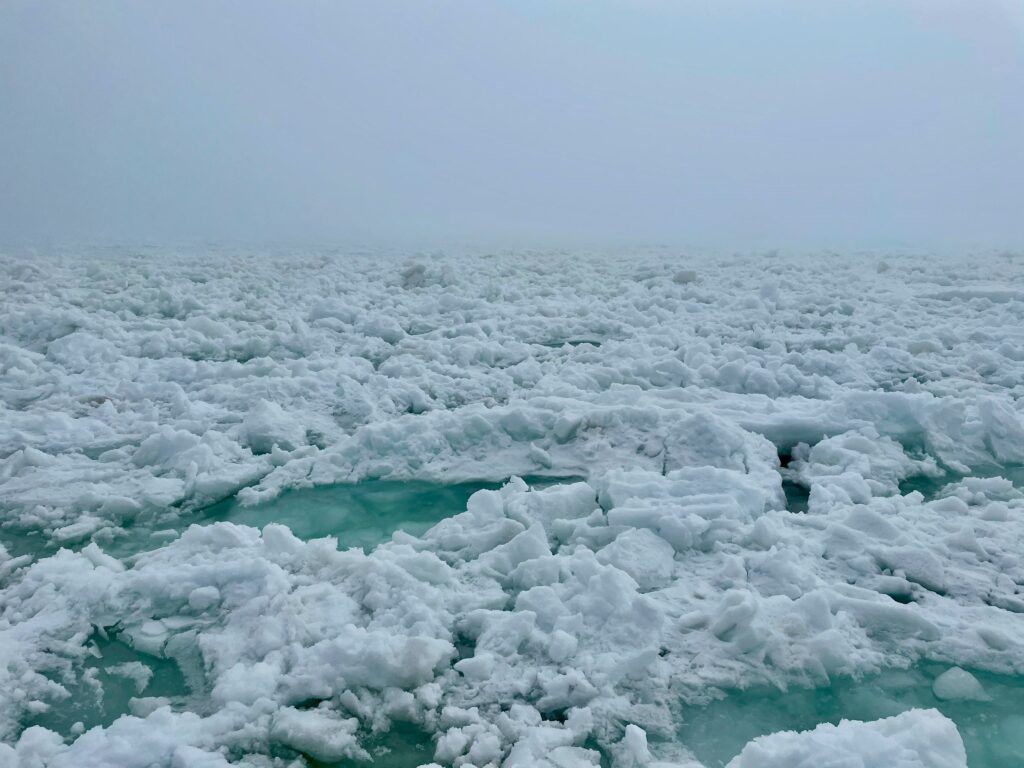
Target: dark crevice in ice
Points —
{"points": [[311, 703], [404, 745], [904, 598], [932, 487], [559, 343], [797, 496], [557, 715], [465, 648]]}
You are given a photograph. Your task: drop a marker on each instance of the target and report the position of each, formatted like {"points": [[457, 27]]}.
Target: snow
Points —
{"points": [[915, 739], [957, 683], [538, 626]]}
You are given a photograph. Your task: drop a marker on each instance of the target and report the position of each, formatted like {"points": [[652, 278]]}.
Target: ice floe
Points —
{"points": [[556, 623]]}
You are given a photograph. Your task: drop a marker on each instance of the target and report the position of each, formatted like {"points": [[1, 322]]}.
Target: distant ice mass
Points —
{"points": [[579, 496]]}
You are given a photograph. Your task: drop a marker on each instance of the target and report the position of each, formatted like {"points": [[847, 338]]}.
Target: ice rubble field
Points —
{"points": [[780, 491]]}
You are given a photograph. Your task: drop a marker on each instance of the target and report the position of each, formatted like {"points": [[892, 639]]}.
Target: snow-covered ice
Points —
{"points": [[672, 402], [920, 738]]}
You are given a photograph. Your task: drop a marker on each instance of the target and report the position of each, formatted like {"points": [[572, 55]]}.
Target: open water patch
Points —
{"points": [[361, 515], [797, 496], [932, 487], [103, 689], [115, 679], [358, 515], [992, 727], [404, 745]]}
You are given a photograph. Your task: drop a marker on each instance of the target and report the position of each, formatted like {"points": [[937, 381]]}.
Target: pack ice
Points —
{"points": [[762, 470]]}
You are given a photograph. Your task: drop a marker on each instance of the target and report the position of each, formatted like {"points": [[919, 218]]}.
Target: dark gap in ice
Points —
{"points": [[904, 598], [316, 438], [931, 487], [405, 745], [933, 588], [992, 730], [540, 482], [606, 759], [312, 703], [18, 541], [797, 496], [557, 715], [559, 343], [465, 648]]}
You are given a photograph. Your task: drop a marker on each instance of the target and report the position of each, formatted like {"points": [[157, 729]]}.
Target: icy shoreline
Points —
{"points": [[537, 625]]}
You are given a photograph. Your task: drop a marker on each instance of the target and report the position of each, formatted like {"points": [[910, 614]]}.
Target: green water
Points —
{"points": [[993, 731], [108, 696], [797, 496], [403, 746], [931, 487], [358, 515], [366, 514]]}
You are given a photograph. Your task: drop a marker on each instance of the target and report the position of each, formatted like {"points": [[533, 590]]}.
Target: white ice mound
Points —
{"points": [[919, 738], [851, 467], [959, 684], [267, 425]]}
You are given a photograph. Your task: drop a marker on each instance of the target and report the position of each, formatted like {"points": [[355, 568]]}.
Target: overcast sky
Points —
{"points": [[720, 123]]}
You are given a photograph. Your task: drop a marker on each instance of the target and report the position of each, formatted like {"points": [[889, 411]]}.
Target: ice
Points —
{"points": [[281, 496], [915, 739], [267, 427], [317, 734], [361, 514], [989, 725], [117, 680], [684, 276], [957, 683]]}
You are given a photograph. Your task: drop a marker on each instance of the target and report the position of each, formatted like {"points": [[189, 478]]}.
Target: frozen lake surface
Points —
{"points": [[511, 509]]}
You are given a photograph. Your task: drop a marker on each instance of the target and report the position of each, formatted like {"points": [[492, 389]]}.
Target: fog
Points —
{"points": [[727, 124]]}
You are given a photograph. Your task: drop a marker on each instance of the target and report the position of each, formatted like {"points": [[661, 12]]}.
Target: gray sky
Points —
{"points": [[719, 123]]}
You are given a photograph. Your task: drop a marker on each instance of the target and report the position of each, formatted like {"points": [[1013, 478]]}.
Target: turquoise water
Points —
{"points": [[366, 514], [108, 697], [797, 496], [931, 487], [993, 731], [404, 746], [358, 515]]}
